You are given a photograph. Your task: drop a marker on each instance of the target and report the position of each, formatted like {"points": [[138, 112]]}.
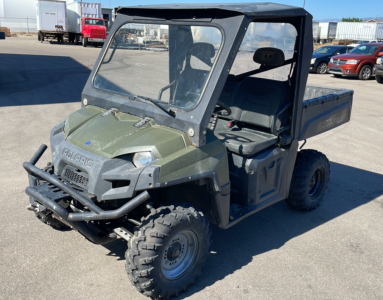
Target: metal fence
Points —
{"points": [[27, 24]]}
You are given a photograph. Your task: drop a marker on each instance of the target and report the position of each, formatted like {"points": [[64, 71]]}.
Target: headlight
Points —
{"points": [[143, 159], [379, 61], [313, 60], [352, 62], [331, 60]]}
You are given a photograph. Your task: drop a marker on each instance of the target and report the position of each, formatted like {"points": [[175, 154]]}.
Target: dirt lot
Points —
{"points": [[334, 252]]}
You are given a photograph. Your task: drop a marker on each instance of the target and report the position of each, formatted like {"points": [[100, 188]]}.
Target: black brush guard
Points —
{"points": [[76, 219]]}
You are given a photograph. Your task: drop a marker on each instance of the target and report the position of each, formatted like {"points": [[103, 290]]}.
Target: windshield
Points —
{"points": [[94, 22], [166, 63], [365, 49], [325, 50]]}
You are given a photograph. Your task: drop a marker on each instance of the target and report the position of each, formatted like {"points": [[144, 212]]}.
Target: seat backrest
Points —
{"points": [[191, 81], [255, 101]]}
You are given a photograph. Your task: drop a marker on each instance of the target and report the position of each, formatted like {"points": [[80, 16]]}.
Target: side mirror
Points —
{"points": [[380, 54], [78, 21]]}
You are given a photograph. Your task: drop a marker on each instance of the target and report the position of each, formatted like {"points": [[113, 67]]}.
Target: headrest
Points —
{"points": [[203, 51], [268, 56]]}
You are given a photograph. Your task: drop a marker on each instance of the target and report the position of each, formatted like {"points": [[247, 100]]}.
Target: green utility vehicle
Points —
{"points": [[201, 127]]}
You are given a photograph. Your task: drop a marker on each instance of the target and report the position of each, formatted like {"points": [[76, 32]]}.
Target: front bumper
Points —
{"points": [[46, 197], [94, 40], [378, 70], [344, 70], [313, 68]]}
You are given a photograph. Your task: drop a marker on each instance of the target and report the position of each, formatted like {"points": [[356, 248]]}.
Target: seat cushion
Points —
{"points": [[245, 142]]}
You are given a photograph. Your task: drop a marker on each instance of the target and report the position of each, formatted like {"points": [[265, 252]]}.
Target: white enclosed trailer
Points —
{"points": [[315, 31], [327, 31], [51, 19], [359, 31]]}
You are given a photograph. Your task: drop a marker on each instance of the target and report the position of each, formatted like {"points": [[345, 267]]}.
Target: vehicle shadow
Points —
{"points": [[40, 79], [271, 228]]}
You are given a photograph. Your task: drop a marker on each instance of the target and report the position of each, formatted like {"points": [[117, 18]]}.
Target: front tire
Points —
{"points": [[309, 181], [379, 79], [322, 68], [365, 73], [85, 42], [168, 251]]}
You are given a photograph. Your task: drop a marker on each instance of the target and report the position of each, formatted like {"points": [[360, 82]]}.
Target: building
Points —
{"points": [[107, 15], [375, 21], [18, 16]]}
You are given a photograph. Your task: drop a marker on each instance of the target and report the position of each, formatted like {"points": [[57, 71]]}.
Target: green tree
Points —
{"points": [[351, 20]]}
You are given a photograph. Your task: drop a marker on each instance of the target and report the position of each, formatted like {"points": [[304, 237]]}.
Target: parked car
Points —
{"points": [[379, 68], [321, 57], [362, 42], [358, 63]]}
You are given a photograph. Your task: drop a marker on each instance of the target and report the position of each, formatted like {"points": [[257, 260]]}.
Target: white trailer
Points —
{"points": [[51, 19], [359, 31], [327, 31], [315, 31]]}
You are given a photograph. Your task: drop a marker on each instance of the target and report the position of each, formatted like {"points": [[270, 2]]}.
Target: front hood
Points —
{"points": [[112, 134], [317, 55], [349, 56]]}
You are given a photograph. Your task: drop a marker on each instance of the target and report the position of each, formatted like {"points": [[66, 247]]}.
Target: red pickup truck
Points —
{"points": [[358, 63]]}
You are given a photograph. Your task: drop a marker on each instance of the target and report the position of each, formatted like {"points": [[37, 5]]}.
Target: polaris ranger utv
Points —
{"points": [[202, 130]]}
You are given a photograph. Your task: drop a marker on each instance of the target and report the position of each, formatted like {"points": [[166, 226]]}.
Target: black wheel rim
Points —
{"points": [[316, 183]]}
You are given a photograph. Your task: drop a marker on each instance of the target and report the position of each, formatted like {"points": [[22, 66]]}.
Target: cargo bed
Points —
{"points": [[324, 109]]}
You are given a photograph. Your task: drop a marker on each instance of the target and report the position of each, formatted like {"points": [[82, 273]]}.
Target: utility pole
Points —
{"points": [[304, 3]]}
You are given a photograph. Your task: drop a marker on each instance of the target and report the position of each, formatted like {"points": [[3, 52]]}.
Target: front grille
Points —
{"points": [[339, 62], [97, 33], [75, 177]]}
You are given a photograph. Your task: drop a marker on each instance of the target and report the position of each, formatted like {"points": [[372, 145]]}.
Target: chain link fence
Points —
{"points": [[27, 25]]}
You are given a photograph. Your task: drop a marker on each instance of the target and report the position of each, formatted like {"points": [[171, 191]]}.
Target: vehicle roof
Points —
{"points": [[249, 9], [372, 44], [334, 46]]}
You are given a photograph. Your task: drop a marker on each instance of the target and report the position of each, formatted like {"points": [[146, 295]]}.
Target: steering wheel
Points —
{"points": [[221, 106]]}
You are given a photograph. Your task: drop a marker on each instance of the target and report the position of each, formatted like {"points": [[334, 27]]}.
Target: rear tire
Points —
{"points": [[365, 73], [379, 79], [40, 37], [168, 251], [309, 181]]}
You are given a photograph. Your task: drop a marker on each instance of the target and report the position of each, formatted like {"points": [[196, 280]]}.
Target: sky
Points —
{"points": [[320, 9]]}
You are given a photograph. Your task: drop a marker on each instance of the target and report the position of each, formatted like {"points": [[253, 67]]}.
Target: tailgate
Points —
{"points": [[324, 109]]}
